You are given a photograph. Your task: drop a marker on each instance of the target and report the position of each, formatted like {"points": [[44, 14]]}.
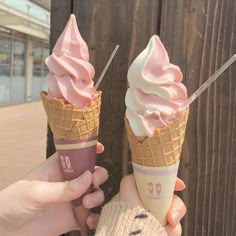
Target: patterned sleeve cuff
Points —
{"points": [[126, 219]]}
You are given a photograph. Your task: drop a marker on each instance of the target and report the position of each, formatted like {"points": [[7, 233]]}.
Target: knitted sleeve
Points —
{"points": [[126, 219]]}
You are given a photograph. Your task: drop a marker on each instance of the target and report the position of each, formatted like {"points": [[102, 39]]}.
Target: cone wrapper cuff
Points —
{"points": [[156, 186]]}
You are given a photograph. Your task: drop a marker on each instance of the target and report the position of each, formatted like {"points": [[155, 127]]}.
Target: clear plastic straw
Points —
{"points": [[106, 67], [199, 91]]}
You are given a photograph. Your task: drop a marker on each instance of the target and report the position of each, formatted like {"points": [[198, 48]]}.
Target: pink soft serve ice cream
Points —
{"points": [[70, 73], [155, 90]]}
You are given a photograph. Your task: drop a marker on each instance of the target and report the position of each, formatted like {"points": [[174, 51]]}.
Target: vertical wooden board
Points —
{"points": [[208, 36], [173, 30], [60, 13], [226, 186]]}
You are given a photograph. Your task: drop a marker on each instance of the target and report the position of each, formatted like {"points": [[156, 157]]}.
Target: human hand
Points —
{"points": [[129, 193], [40, 203]]}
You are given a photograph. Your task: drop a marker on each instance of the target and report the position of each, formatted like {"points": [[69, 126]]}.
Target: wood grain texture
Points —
{"points": [[208, 34]]}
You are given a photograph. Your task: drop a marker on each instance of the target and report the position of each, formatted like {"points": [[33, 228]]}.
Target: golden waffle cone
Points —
{"points": [[69, 121], [163, 148]]}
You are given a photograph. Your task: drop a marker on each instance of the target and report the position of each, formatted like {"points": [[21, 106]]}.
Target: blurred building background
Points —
{"points": [[24, 44]]}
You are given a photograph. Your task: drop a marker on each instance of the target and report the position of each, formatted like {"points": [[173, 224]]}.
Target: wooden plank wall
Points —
{"points": [[199, 35]]}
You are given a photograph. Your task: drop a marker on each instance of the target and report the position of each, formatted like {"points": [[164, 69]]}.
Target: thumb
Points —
{"points": [[48, 192]]}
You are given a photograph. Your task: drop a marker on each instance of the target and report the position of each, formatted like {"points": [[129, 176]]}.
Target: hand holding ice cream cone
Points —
{"points": [[155, 130]]}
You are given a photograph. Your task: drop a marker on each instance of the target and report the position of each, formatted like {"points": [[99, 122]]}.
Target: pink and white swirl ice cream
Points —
{"points": [[70, 72], [155, 90]]}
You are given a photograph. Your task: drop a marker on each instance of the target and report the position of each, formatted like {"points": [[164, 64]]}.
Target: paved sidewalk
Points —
{"points": [[22, 140]]}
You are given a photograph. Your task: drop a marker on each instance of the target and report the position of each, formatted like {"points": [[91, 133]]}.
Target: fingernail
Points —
{"points": [[176, 217]]}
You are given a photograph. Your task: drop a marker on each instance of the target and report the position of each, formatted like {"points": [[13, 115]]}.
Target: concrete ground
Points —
{"points": [[23, 131]]}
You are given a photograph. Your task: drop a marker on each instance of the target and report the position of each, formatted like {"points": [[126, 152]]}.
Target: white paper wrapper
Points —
{"points": [[156, 186]]}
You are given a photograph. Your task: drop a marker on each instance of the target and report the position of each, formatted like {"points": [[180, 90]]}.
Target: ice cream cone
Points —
{"points": [[155, 161], [75, 133]]}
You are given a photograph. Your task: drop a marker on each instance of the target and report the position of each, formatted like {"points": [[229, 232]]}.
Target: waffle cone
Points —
{"points": [[163, 148], [69, 121]]}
